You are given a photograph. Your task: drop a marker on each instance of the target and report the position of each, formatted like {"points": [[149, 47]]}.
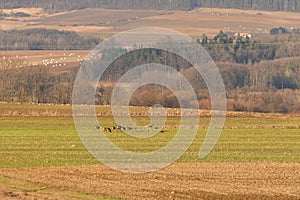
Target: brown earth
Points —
{"points": [[178, 181]]}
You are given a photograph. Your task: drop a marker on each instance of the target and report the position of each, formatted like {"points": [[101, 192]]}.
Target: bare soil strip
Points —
{"points": [[179, 181]]}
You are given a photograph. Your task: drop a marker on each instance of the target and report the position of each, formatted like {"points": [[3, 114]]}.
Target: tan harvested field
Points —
{"points": [[13, 22], [178, 181], [40, 54], [30, 11], [35, 13], [65, 59], [99, 16], [196, 22]]}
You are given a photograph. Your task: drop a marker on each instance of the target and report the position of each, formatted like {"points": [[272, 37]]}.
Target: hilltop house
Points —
{"points": [[243, 35]]}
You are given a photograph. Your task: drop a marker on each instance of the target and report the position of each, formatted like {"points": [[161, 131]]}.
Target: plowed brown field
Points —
{"points": [[178, 181]]}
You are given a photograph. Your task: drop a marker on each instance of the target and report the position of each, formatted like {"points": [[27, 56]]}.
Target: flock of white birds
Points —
{"points": [[51, 61]]}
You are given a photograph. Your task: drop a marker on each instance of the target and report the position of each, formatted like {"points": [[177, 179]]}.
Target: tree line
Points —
{"points": [[36, 85], [267, 86], [245, 50], [276, 5], [58, 5], [260, 74], [44, 39], [222, 47]]}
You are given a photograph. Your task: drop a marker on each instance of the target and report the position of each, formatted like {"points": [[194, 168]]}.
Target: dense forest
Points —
{"points": [[57, 5], [263, 86]]}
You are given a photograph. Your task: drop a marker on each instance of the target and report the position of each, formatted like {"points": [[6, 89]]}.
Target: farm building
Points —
{"points": [[244, 35]]}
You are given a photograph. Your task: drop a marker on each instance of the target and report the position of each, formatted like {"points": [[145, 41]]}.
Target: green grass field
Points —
{"points": [[29, 140]]}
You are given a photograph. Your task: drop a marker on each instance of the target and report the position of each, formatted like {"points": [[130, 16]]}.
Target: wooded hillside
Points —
{"points": [[283, 5], [41, 39], [55, 5]]}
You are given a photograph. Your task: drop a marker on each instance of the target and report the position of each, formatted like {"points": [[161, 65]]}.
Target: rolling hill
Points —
{"points": [[54, 5]]}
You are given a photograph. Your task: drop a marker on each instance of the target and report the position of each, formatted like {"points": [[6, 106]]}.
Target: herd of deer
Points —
{"points": [[110, 129], [122, 128]]}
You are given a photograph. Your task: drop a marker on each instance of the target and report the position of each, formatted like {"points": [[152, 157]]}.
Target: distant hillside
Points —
{"points": [[278, 5], [56, 5]]}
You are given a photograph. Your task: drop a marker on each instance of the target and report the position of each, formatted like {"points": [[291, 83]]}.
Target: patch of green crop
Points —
{"points": [[29, 141], [41, 141], [18, 188]]}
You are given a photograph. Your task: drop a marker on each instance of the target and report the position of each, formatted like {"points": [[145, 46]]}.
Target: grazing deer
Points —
{"points": [[107, 129], [119, 127], [97, 127], [103, 128]]}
